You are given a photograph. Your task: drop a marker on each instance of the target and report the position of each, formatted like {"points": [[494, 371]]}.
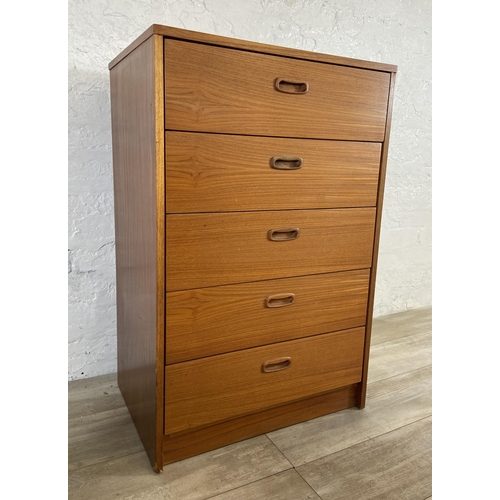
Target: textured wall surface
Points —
{"points": [[392, 31]]}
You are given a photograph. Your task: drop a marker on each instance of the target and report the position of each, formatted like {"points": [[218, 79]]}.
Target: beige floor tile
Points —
{"points": [[400, 325], [89, 396], [112, 478], [391, 403], [196, 478], [286, 485], [102, 436], [399, 356], [394, 466]]}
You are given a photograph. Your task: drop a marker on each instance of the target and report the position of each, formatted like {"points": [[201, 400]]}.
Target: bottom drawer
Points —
{"points": [[209, 390]]}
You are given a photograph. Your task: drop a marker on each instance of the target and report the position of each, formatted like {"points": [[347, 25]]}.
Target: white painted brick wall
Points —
{"points": [[392, 31]]}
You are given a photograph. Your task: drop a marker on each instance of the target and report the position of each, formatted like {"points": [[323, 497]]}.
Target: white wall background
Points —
{"points": [[391, 31]]}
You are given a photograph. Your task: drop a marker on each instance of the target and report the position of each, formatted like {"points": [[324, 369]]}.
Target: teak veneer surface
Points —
{"points": [[222, 90], [139, 229], [183, 445], [218, 388], [376, 240], [200, 123], [215, 249], [264, 48], [210, 321], [212, 173]]}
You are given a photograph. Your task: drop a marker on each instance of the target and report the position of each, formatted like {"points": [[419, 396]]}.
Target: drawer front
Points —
{"points": [[216, 249], [209, 321], [214, 89], [218, 388], [213, 172]]}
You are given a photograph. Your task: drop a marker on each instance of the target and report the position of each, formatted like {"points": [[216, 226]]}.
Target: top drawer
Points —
{"points": [[214, 89]]}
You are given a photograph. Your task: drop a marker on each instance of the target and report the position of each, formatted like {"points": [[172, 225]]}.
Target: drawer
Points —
{"points": [[209, 321], [218, 388], [235, 247], [216, 172], [214, 89]]}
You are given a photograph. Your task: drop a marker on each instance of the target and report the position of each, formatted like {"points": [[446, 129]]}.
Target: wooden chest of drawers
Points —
{"points": [[248, 195]]}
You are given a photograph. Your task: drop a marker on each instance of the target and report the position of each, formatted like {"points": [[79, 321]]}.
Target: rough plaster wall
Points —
{"points": [[392, 31]]}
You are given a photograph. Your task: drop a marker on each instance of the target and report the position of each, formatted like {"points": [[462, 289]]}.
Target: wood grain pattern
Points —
{"points": [[182, 34], [216, 89], [215, 249], [184, 445], [212, 172], [210, 321], [226, 117], [160, 245], [378, 224], [137, 171], [218, 388]]}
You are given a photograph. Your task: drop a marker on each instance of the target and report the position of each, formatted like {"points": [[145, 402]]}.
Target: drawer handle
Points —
{"points": [[286, 162], [275, 365], [283, 234], [280, 300], [291, 86]]}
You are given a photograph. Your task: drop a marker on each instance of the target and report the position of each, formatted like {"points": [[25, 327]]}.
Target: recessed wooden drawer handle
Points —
{"points": [[283, 234], [275, 365], [291, 86], [280, 300], [286, 162]]}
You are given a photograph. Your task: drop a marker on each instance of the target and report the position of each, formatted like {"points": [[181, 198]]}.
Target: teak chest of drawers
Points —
{"points": [[248, 186]]}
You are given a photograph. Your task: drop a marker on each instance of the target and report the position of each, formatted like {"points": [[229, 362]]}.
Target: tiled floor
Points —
{"points": [[382, 452]]}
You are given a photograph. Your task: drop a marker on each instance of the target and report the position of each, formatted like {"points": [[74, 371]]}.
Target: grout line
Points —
{"points": [[100, 412], [402, 337], [360, 442], [390, 315], [402, 331], [78, 468], [281, 453], [373, 436], [291, 467], [308, 484], [398, 374], [251, 482], [364, 441], [399, 339]]}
